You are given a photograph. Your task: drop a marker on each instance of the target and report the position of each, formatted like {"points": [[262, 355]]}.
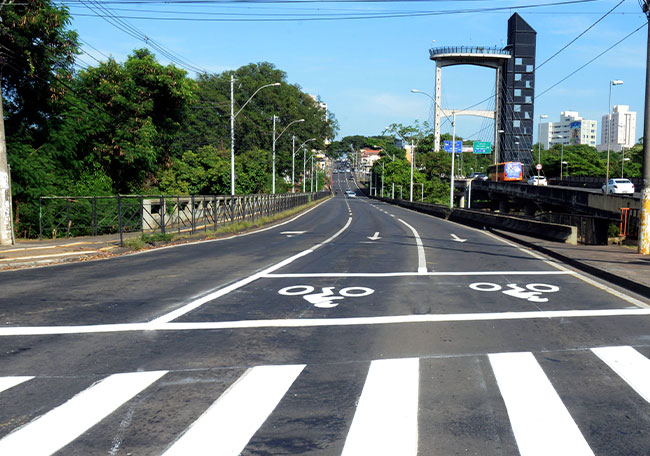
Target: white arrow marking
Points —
{"points": [[292, 233], [457, 239], [374, 237]]}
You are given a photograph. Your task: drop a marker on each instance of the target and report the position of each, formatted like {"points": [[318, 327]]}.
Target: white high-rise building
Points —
{"points": [[622, 128], [570, 130]]}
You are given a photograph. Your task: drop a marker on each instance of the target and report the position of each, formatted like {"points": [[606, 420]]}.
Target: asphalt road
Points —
{"points": [[357, 328]]}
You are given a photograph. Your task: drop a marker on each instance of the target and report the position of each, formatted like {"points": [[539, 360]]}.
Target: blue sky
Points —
{"points": [[364, 69]]}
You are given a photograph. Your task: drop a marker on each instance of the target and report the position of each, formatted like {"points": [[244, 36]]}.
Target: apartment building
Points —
{"points": [[570, 130]]}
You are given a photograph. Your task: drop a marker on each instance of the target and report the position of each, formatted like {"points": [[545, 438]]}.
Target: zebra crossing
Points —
{"points": [[386, 416]]}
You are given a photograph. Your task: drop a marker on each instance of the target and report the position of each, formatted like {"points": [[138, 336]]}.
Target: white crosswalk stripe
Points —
{"points": [[227, 426], [10, 382], [630, 365], [384, 422], [535, 410], [50, 432]]}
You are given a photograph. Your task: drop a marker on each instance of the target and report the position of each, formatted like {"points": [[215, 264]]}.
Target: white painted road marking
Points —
{"points": [[374, 237], [541, 423], [292, 233], [325, 298], [630, 365], [457, 239], [226, 427], [10, 382], [422, 261], [405, 274], [532, 292], [223, 291], [60, 426], [320, 322], [386, 419]]}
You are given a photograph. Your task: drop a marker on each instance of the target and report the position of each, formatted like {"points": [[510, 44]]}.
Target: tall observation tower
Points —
{"points": [[514, 89]]}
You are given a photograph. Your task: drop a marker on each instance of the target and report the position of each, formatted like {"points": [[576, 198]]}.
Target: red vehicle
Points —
{"points": [[506, 172]]}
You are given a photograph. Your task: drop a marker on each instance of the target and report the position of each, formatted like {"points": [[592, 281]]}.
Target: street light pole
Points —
{"points": [[453, 157], [274, 141], [453, 144], [412, 166], [561, 154], [232, 125], [539, 144], [609, 131], [293, 160]]}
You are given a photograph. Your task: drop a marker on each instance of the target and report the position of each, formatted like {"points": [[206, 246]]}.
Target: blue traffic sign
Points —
{"points": [[458, 147]]}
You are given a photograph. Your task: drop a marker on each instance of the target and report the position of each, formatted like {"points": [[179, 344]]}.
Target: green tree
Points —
{"points": [[123, 118]]}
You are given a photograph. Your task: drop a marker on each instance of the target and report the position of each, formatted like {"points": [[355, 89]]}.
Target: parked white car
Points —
{"points": [[620, 186], [538, 180]]}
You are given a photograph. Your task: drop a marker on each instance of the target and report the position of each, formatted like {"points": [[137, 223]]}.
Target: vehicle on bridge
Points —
{"points": [[506, 172], [620, 186], [478, 176], [538, 180]]}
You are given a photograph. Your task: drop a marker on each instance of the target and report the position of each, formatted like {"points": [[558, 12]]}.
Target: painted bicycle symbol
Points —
{"points": [[326, 298], [532, 292]]}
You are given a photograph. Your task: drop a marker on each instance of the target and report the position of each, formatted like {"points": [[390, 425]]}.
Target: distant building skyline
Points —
{"points": [[622, 128], [572, 129]]}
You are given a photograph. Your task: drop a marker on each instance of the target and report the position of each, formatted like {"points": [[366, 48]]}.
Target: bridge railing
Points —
{"points": [[469, 50], [71, 216]]}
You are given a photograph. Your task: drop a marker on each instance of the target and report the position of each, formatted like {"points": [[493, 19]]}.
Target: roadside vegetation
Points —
{"points": [[149, 240], [136, 127]]}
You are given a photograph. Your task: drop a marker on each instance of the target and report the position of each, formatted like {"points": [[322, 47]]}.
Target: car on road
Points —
{"points": [[538, 180], [478, 176], [619, 186], [350, 194]]}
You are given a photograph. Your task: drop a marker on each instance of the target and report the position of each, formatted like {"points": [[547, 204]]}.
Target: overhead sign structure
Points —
{"points": [[458, 147], [482, 147]]}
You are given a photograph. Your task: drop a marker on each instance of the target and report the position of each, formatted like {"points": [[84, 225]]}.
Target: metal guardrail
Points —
{"points": [[71, 216]]}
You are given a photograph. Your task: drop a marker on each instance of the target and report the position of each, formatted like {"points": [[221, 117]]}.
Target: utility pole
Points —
{"points": [[644, 217], [6, 225]]}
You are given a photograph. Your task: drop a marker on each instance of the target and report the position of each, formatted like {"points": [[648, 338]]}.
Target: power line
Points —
{"points": [[346, 16], [590, 61], [583, 32]]}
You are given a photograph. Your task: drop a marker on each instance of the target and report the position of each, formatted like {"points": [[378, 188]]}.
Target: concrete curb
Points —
{"points": [[629, 284]]}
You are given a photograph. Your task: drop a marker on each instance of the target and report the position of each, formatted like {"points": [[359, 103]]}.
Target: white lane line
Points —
{"points": [[630, 365], [386, 419], [10, 382], [422, 261], [324, 322], [554, 264], [240, 283], [541, 423], [60, 426], [226, 427], [405, 274]]}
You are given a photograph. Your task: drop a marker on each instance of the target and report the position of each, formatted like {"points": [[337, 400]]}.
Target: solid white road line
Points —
{"points": [[386, 419], [541, 423], [227, 425], [422, 261], [405, 274], [316, 322], [10, 382], [630, 365], [60, 426], [223, 291]]}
